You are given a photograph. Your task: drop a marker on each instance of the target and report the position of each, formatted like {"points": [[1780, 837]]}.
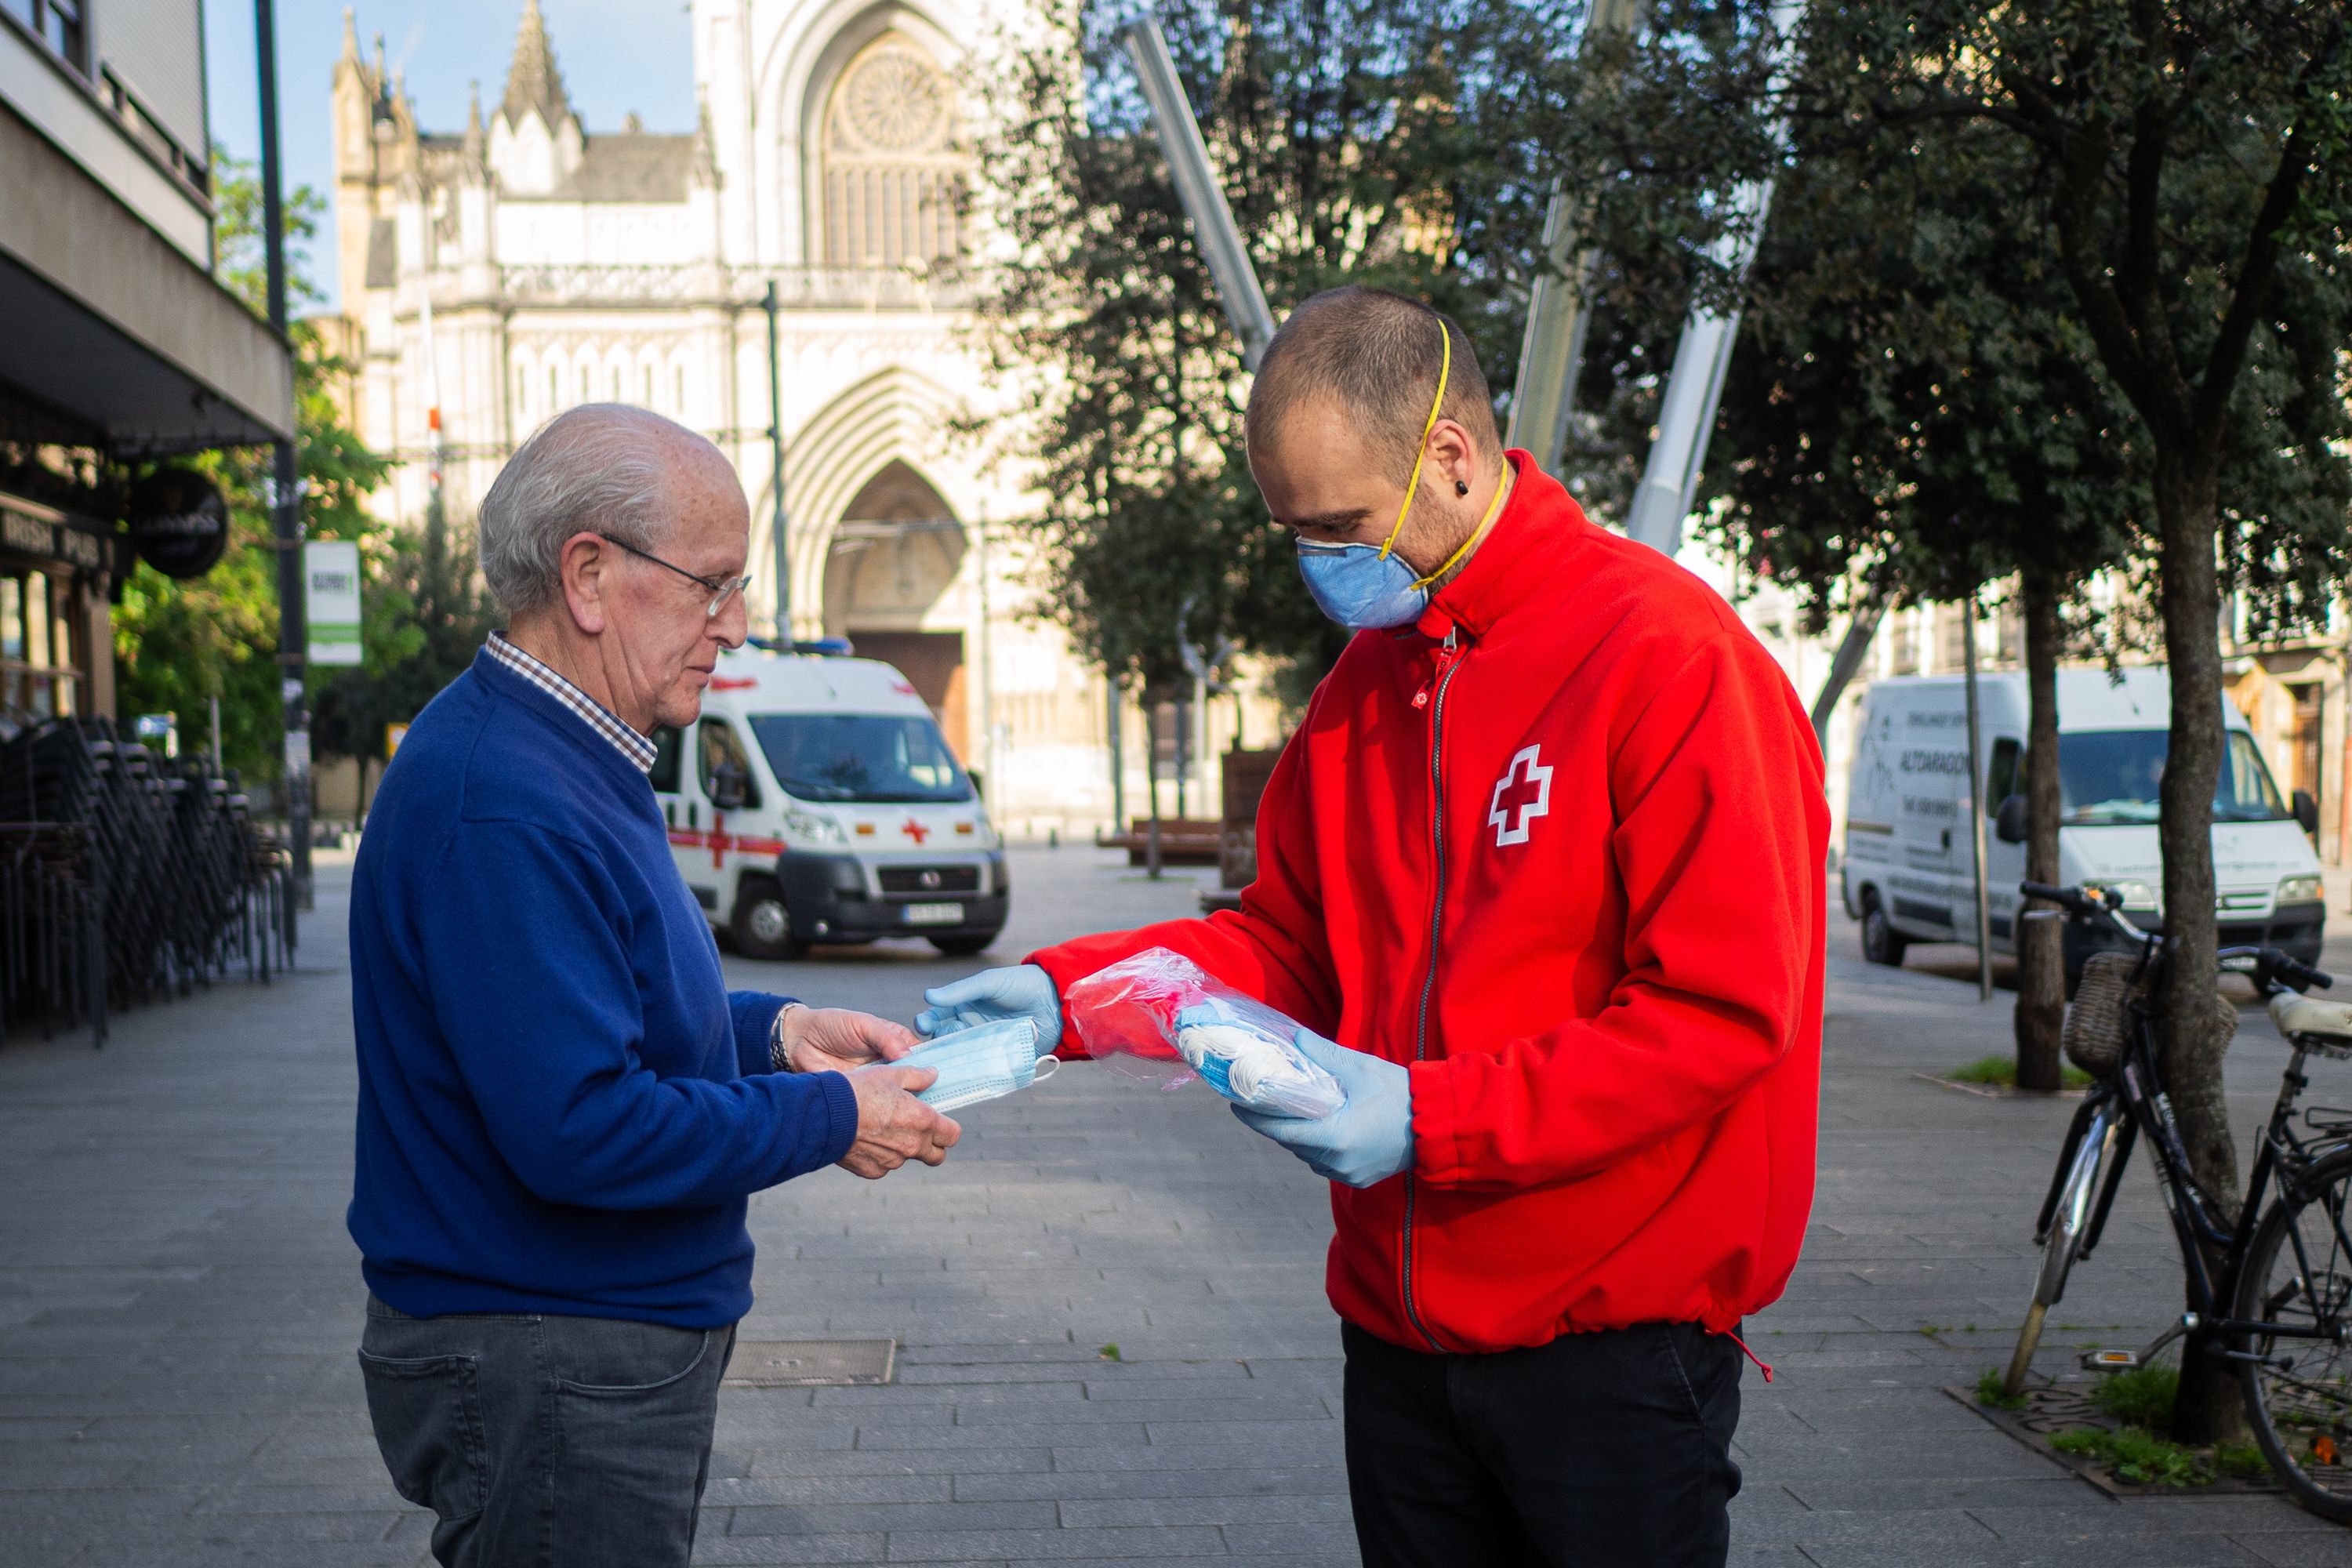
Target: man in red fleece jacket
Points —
{"points": [[1541, 875]]}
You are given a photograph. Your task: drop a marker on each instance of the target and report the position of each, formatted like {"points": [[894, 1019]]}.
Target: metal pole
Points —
{"points": [[1694, 385], [1152, 777], [782, 525], [1238, 291], [1184, 752], [988, 758], [1119, 823], [1552, 349], [1977, 805], [293, 628]]}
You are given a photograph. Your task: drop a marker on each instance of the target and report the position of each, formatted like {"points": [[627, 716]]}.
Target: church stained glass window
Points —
{"points": [[893, 172]]}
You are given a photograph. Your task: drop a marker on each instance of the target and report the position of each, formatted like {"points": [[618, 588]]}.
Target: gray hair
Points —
{"points": [[601, 467]]}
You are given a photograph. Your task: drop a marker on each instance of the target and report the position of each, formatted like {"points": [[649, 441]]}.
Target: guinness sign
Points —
{"points": [[178, 521]]}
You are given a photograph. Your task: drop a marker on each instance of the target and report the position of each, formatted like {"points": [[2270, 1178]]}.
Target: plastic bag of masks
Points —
{"points": [[1160, 1007]]}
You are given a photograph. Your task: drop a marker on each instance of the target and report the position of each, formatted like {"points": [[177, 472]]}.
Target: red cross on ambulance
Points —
{"points": [[1521, 795]]}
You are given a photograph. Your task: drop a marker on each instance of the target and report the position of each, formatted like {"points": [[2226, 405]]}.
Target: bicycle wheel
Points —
{"points": [[2064, 1241], [2298, 1271]]}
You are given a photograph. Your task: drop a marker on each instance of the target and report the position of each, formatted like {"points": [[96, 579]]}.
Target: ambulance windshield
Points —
{"points": [[860, 756]]}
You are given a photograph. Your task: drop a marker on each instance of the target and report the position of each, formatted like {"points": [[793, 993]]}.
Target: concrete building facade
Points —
{"points": [[115, 340]]}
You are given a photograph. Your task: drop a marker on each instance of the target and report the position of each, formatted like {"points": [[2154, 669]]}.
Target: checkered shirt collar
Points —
{"points": [[594, 714]]}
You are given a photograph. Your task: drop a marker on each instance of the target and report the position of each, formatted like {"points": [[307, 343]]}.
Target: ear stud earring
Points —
{"points": [[1461, 488]]}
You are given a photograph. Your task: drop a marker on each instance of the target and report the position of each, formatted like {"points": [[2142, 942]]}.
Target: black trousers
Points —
{"points": [[1598, 1450]]}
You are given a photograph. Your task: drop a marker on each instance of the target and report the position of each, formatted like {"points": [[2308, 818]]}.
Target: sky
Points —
{"points": [[617, 56]]}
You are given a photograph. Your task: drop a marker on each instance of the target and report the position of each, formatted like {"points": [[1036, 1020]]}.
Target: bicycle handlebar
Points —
{"points": [[2295, 972], [2074, 898], [2289, 972]]}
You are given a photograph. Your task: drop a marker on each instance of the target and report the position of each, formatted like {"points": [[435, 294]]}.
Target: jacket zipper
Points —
{"points": [[1452, 663]]}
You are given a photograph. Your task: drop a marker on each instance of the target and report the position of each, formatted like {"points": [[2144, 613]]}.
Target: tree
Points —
{"points": [[2185, 167], [426, 604], [179, 644], [1349, 144], [1912, 414]]}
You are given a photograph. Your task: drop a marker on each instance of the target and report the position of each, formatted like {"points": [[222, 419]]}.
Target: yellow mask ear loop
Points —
{"points": [[1501, 490], [1412, 485]]}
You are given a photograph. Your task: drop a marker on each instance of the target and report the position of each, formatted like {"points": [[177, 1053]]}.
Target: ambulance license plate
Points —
{"points": [[934, 914]]}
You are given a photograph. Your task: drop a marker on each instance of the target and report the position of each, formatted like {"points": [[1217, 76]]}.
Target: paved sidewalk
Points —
{"points": [[180, 1301]]}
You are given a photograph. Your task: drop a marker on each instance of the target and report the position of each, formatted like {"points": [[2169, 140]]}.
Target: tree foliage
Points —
{"points": [[179, 644], [2180, 170], [1352, 141]]}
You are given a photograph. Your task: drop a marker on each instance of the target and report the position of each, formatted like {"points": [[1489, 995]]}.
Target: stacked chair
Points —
{"points": [[126, 878]]}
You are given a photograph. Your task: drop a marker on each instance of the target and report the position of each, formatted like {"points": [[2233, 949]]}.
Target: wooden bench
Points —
{"points": [[1183, 841]]}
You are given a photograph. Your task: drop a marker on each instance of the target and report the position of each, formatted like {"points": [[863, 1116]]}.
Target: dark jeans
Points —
{"points": [[1598, 1451], [546, 1442]]}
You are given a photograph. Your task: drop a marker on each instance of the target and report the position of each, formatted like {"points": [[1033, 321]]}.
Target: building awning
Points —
{"points": [[115, 339]]}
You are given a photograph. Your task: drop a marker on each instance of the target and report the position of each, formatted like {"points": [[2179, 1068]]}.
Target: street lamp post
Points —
{"points": [[293, 630], [782, 527]]}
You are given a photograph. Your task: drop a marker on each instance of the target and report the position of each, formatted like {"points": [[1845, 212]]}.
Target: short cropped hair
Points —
{"points": [[602, 468], [1378, 353]]}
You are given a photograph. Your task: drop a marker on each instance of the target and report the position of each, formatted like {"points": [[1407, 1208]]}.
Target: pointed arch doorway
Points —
{"points": [[895, 556]]}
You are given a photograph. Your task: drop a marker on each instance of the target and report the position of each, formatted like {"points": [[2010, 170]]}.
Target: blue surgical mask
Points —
{"points": [[1358, 586], [982, 1063]]}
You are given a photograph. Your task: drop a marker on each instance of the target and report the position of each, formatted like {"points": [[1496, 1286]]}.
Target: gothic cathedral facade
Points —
{"points": [[558, 265]]}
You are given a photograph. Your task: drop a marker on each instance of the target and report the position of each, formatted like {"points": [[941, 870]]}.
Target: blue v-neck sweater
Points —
{"points": [[561, 1108]]}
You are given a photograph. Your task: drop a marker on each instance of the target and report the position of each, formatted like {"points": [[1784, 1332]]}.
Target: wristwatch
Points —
{"points": [[777, 1057]]}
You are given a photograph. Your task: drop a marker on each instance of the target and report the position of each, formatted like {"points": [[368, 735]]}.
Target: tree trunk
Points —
{"points": [[2041, 1014], [1860, 628], [2208, 1409]]}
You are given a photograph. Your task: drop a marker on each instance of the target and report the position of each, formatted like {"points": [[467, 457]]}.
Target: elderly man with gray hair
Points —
{"points": [[561, 1108]]}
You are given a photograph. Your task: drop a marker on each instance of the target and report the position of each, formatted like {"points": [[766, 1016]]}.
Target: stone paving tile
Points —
{"points": [[2303, 1551], [176, 1383], [1052, 1545], [853, 1519]]}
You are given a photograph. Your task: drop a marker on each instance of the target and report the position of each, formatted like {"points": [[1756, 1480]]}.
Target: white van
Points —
{"points": [[817, 801], [1909, 863]]}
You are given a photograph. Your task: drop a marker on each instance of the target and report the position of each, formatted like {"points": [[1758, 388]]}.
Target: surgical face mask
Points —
{"points": [[982, 1063]]}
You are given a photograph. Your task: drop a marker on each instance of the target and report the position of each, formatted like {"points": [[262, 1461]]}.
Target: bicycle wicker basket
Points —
{"points": [[2095, 1019], [2098, 1019]]}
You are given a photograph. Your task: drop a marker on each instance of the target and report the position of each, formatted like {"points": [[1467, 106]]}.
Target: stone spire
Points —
{"points": [[534, 81], [475, 149]]}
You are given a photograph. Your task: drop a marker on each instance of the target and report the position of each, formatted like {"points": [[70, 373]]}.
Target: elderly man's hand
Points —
{"points": [[836, 1039], [893, 1126]]}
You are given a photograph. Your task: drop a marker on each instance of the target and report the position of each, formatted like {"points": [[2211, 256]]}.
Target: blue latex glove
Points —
{"points": [[1366, 1140], [1016, 990]]}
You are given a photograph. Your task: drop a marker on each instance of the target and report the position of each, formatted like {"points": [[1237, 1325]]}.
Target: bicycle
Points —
{"points": [[2269, 1298]]}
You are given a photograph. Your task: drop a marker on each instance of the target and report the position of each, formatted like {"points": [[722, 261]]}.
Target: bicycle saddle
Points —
{"points": [[2297, 1015]]}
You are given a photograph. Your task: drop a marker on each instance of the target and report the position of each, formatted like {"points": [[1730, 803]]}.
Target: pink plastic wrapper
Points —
{"points": [[1160, 1009]]}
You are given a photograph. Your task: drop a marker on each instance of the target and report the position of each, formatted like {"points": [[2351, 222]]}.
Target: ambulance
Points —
{"points": [[815, 801], [1909, 866]]}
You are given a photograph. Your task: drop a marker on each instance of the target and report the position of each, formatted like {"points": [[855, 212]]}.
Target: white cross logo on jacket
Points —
{"points": [[1524, 794]]}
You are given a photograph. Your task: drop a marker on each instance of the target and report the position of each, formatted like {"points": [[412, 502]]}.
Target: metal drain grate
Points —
{"points": [[811, 1363]]}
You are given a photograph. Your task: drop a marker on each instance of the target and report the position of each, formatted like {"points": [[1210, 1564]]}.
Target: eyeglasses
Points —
{"points": [[721, 589]]}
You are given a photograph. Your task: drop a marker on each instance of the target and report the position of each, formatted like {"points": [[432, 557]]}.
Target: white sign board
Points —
{"points": [[333, 565]]}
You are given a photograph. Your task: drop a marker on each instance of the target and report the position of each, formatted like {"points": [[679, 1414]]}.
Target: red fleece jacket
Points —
{"points": [[1559, 846]]}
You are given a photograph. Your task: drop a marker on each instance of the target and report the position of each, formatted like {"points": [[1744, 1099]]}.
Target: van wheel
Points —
{"points": [[963, 946], [761, 927], [1881, 943]]}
